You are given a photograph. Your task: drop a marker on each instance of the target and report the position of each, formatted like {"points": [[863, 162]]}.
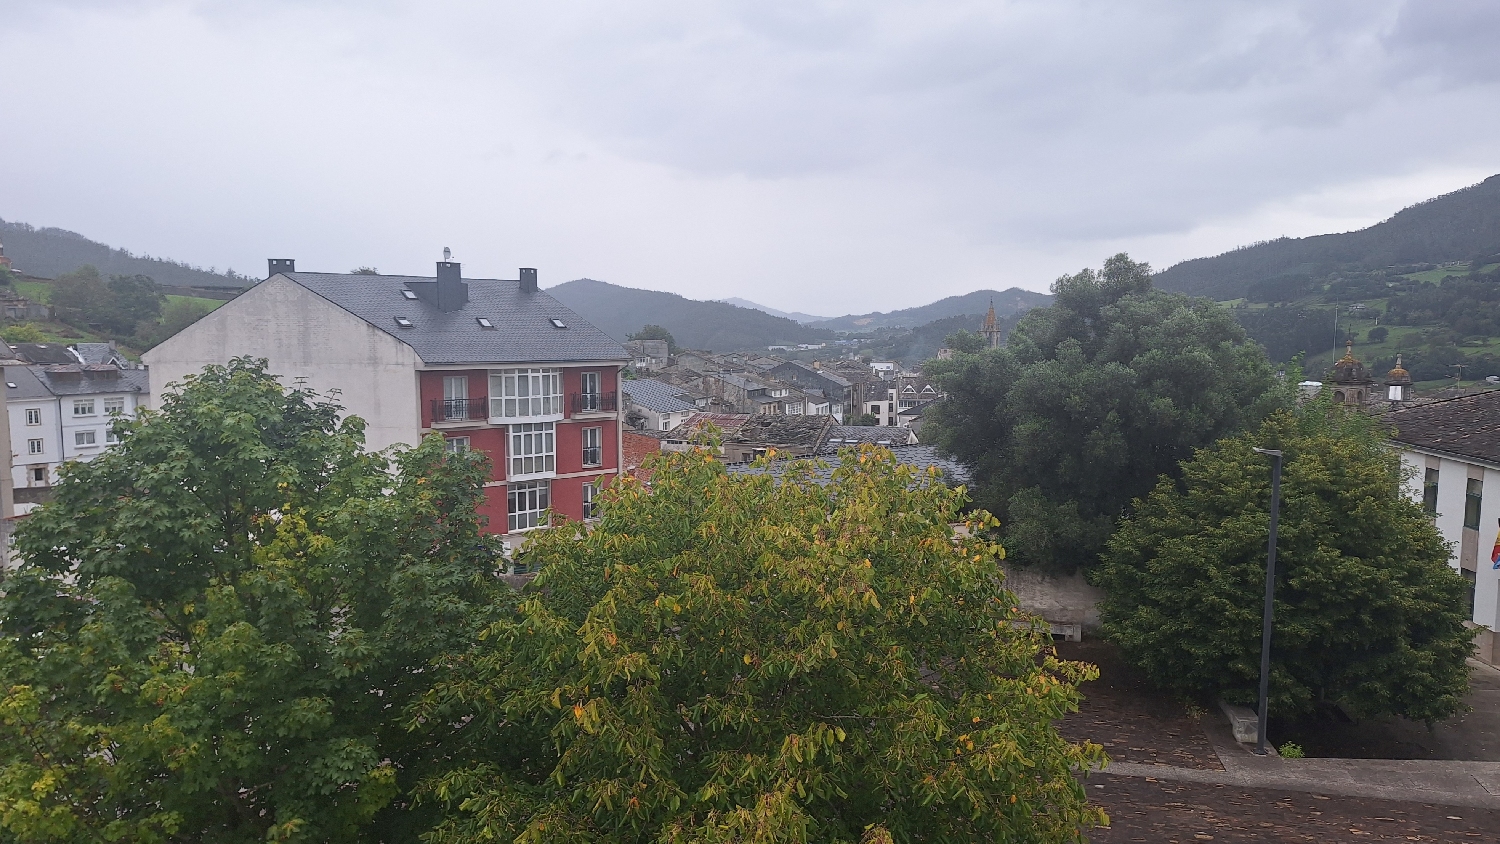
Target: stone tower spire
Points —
{"points": [[991, 330]]}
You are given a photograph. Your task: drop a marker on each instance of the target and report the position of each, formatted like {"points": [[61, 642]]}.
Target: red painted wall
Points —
{"points": [[431, 388], [570, 445], [493, 509]]}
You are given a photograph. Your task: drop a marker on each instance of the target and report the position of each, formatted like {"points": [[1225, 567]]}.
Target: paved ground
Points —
{"points": [[1167, 812], [1473, 736], [1180, 778]]}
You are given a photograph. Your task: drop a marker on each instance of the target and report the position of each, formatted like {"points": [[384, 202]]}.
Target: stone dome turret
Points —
{"points": [[1398, 377], [1348, 370]]}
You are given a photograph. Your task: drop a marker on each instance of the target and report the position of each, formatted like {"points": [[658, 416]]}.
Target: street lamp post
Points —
{"points": [[1265, 623]]}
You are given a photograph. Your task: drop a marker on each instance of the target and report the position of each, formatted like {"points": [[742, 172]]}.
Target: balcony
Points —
{"points": [[593, 402], [460, 410]]}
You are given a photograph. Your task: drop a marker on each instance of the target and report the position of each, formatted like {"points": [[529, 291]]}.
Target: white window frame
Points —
{"points": [[526, 505], [597, 435], [590, 509], [526, 394], [111, 436], [114, 406], [533, 450], [33, 416], [85, 437], [590, 391], [456, 445], [83, 407], [37, 446]]}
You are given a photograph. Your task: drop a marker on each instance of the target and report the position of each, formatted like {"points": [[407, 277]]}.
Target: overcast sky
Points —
{"points": [[828, 157]]}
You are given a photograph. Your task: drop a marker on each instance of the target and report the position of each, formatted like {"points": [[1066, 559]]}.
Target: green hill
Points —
{"points": [[1460, 226], [50, 252], [715, 326], [1007, 303]]}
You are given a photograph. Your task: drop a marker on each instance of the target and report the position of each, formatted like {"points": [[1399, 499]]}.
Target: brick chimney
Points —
{"points": [[452, 292]]}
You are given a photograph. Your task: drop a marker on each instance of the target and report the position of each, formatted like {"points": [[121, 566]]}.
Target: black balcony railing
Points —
{"points": [[459, 410], [593, 402]]}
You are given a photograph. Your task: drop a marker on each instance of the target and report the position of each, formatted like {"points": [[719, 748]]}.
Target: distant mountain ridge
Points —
{"points": [[792, 315], [1459, 226], [50, 252], [695, 324], [1007, 303]]}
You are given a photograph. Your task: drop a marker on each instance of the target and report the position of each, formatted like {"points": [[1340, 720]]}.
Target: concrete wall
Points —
{"points": [[304, 336], [1067, 600]]}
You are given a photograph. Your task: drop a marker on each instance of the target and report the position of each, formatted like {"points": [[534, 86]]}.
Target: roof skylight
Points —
{"points": [[403, 322], [484, 322], [410, 294], [557, 323]]}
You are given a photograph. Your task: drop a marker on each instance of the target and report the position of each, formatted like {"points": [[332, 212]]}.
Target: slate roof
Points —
{"points": [[28, 385], [35, 382], [776, 429], [89, 380], [657, 395], [877, 434], [920, 456], [523, 331], [725, 422], [99, 353], [1468, 426], [44, 353]]}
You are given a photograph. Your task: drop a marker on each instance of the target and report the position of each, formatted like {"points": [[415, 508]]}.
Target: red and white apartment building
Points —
{"points": [[494, 365]]}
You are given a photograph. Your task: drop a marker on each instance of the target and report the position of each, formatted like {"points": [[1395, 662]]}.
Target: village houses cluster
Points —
{"points": [[559, 407]]}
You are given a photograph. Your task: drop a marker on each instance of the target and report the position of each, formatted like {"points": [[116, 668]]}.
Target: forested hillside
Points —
{"points": [[716, 326], [1007, 303], [1460, 226], [51, 252]]}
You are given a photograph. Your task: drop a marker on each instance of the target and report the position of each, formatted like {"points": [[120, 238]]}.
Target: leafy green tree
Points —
{"points": [[79, 297], [863, 419], [7, 277], [1091, 400], [134, 300], [728, 658], [1379, 333], [1369, 615], [966, 342], [177, 315], [23, 332], [218, 624], [654, 332]]}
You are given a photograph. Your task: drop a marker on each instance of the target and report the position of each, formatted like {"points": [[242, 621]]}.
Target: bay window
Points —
{"points": [[527, 504], [525, 393]]}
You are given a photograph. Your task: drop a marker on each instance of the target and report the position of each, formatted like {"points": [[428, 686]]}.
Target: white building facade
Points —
{"points": [[1451, 450], [63, 413]]}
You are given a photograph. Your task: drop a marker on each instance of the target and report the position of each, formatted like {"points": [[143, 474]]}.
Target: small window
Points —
{"points": [[458, 445], [593, 452], [83, 407], [1473, 499], [484, 322], [84, 438], [409, 294], [112, 406], [33, 416], [1429, 491], [557, 323], [403, 322], [39, 475], [590, 509], [35, 447]]}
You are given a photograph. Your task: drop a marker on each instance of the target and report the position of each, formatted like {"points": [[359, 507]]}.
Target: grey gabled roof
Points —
{"points": [[76, 380], [28, 385], [1467, 426], [658, 396], [523, 331]]}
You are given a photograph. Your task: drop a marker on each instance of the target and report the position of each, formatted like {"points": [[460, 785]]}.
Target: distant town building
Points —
{"points": [[660, 406], [991, 330], [492, 365], [648, 355]]}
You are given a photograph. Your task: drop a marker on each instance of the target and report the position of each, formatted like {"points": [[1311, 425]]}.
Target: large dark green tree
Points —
{"points": [[1369, 615], [732, 659], [218, 624], [1091, 401]]}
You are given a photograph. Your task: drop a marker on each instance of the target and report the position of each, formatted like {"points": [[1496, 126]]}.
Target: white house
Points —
{"points": [[63, 412], [664, 406], [1452, 451]]}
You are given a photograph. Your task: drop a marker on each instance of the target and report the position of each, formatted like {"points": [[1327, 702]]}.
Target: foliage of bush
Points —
{"points": [[1369, 616]]}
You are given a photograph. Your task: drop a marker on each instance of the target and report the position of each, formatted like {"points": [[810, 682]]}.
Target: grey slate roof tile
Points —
{"points": [[920, 456], [1468, 426], [523, 331], [657, 395]]}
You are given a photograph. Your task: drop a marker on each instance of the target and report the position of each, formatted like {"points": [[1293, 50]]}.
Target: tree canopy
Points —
{"points": [[119, 306], [1369, 615], [218, 624], [1091, 401], [728, 658]]}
